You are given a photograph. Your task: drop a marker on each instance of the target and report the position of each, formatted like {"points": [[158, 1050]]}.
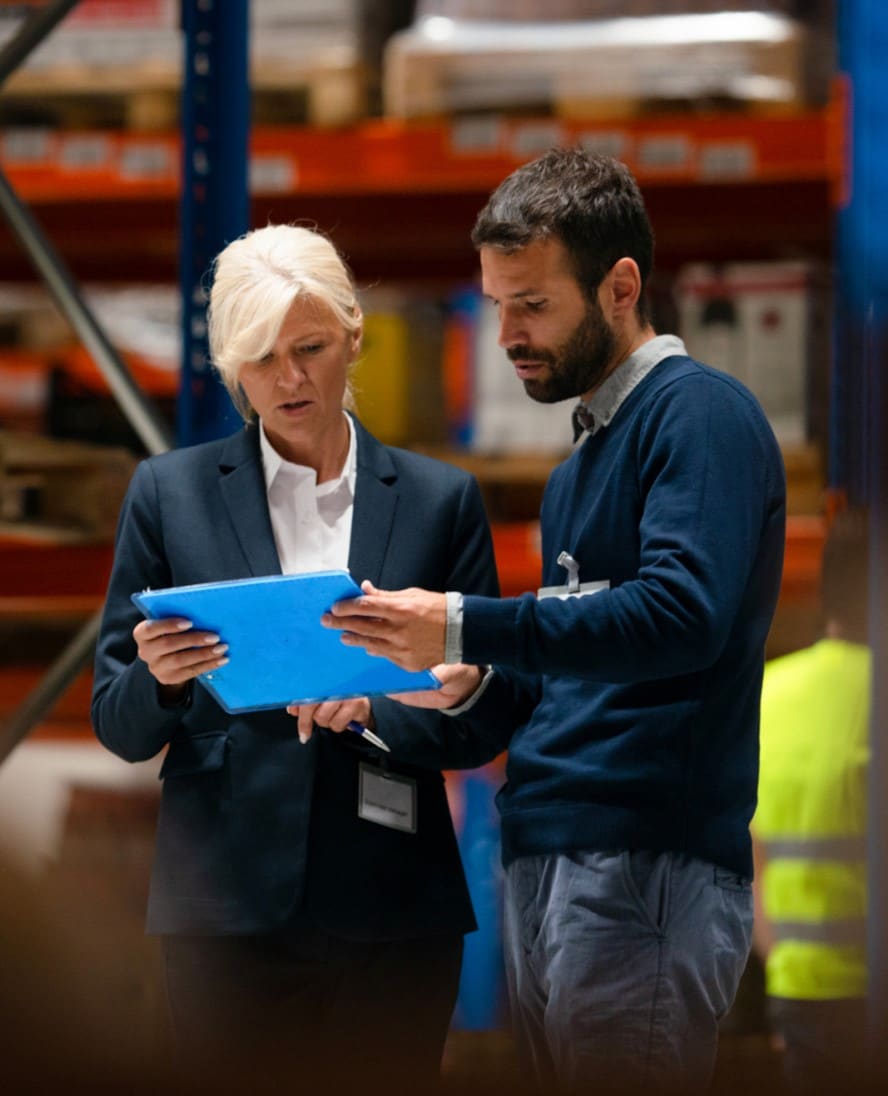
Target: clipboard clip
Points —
{"points": [[566, 560]]}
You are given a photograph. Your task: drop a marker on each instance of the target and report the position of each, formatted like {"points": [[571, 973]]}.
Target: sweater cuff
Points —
{"points": [[489, 630], [453, 627]]}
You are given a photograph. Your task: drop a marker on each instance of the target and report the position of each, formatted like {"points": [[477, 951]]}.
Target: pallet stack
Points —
{"points": [[112, 65], [593, 59]]}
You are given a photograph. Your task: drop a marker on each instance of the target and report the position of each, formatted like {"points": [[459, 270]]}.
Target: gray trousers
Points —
{"points": [[620, 966]]}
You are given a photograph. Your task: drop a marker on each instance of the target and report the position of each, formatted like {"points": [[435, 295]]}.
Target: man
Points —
{"points": [[632, 688], [809, 831]]}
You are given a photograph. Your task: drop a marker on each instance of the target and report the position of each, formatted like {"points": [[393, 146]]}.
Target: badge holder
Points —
{"points": [[574, 587]]}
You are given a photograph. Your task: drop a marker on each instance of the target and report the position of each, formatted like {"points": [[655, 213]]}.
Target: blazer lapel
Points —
{"points": [[376, 498], [242, 484]]}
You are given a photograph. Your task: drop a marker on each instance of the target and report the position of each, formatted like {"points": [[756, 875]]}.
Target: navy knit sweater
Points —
{"points": [[639, 706]]}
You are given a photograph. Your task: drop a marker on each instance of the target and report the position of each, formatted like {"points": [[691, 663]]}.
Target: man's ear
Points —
{"points": [[625, 287]]}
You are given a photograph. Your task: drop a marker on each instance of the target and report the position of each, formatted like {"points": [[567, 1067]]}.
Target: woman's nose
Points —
{"points": [[290, 369]]}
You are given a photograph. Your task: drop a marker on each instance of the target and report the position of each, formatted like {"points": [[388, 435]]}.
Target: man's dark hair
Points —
{"points": [[591, 203], [845, 582]]}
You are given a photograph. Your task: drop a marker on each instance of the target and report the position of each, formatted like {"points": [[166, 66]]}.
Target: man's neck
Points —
{"points": [[626, 346]]}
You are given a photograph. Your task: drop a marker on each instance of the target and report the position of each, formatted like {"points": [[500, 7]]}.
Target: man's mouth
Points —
{"points": [[528, 367]]}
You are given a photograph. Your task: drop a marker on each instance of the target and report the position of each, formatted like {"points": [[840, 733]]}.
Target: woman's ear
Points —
{"points": [[358, 334]]}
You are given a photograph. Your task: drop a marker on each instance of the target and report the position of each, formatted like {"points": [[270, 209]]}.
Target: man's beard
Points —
{"points": [[577, 366]]}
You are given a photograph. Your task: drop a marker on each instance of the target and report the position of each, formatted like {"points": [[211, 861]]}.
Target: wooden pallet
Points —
{"points": [[326, 93], [60, 492]]}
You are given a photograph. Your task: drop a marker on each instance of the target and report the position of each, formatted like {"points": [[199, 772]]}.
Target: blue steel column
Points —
{"points": [[215, 206], [860, 424]]}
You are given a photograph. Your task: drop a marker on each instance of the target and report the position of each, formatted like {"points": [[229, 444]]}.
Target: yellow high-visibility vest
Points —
{"points": [[811, 819]]}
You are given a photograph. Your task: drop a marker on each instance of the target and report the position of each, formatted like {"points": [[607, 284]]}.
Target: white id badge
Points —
{"points": [[386, 799], [583, 590]]}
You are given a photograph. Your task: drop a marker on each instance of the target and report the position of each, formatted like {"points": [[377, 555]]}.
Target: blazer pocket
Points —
{"points": [[199, 753]]}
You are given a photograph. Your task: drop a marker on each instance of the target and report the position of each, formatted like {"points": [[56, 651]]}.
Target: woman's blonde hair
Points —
{"points": [[256, 279]]}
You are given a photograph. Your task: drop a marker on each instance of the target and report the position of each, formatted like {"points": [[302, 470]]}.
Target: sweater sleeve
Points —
{"points": [[709, 478]]}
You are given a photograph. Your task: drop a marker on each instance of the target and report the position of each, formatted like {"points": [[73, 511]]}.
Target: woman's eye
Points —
{"points": [[311, 348]]}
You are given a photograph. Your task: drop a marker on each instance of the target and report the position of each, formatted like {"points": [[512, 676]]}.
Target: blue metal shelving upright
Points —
{"points": [[859, 422], [214, 203]]}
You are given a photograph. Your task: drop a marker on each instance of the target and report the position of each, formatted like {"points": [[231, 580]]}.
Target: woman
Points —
{"points": [[297, 934]]}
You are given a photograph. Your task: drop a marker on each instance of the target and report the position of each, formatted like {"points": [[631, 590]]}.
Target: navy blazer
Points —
{"points": [[254, 825]]}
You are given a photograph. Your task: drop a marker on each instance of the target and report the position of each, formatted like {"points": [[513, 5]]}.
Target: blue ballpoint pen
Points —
{"points": [[365, 732]]}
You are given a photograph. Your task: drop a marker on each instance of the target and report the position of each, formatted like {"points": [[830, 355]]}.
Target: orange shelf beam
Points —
{"points": [[461, 154]]}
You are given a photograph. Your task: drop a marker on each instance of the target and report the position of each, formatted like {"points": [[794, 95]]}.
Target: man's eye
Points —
{"points": [[535, 306]]}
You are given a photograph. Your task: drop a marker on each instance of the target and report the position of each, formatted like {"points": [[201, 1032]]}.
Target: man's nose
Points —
{"points": [[510, 333]]}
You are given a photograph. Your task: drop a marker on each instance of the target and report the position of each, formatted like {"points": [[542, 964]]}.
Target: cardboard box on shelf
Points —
{"points": [[380, 379], [767, 325], [397, 378]]}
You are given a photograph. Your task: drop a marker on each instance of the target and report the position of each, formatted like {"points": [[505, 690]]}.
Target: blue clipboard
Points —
{"points": [[279, 651]]}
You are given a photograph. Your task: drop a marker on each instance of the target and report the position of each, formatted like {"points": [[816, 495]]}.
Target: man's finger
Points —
{"points": [[369, 605], [373, 645], [380, 649], [366, 627]]}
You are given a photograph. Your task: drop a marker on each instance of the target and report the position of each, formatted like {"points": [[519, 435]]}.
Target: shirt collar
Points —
{"points": [[607, 400], [274, 464]]}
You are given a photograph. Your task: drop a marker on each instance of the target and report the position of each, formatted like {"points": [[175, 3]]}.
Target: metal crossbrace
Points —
{"points": [[139, 410]]}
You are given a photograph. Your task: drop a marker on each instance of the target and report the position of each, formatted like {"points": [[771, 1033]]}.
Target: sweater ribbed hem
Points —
{"points": [[534, 831]]}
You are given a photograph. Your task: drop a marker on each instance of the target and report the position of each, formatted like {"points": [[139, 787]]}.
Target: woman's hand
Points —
{"points": [[175, 652], [333, 714]]}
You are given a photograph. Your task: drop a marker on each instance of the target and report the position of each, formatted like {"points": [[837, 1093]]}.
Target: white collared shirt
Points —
{"points": [[607, 400], [311, 522]]}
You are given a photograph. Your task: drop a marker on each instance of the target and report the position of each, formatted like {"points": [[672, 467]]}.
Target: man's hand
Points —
{"points": [[406, 626], [458, 682], [335, 714]]}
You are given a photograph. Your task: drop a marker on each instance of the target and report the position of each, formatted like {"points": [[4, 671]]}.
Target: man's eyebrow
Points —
{"points": [[516, 296]]}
